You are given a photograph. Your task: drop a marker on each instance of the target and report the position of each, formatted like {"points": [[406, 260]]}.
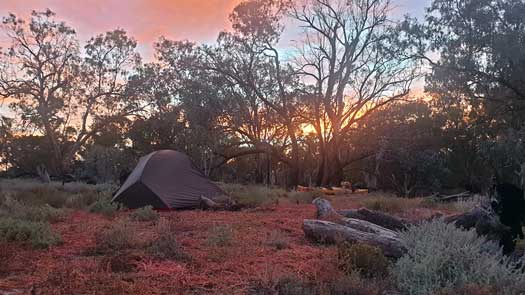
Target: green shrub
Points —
{"points": [[364, 259], [166, 245], [304, 197], [292, 285], [117, 237], [252, 195], [42, 195], [145, 214], [220, 235], [105, 207], [389, 204], [442, 258], [278, 240], [16, 209], [85, 199], [37, 234]]}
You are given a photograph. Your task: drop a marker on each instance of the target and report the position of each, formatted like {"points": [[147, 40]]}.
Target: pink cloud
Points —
{"points": [[198, 20]]}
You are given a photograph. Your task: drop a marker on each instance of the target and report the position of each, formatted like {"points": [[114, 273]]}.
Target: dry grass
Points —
{"points": [[253, 195]]}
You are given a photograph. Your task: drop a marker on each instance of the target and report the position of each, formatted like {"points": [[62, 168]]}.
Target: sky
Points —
{"points": [[147, 20]]}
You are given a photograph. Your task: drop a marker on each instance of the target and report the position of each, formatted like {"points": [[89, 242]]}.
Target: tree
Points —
{"points": [[266, 90], [480, 65], [6, 137], [66, 94], [355, 62]]}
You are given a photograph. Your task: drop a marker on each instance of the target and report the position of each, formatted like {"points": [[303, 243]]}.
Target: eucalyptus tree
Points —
{"points": [[262, 89], [355, 60], [63, 91]]}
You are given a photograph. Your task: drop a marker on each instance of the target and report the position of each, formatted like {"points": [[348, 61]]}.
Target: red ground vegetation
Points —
{"points": [[211, 269]]}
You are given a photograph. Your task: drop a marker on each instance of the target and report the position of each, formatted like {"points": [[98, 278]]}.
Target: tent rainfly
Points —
{"points": [[166, 179]]}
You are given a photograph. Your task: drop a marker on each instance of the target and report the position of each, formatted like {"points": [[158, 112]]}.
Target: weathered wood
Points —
{"points": [[379, 218], [379, 229], [354, 230], [451, 198], [325, 209]]}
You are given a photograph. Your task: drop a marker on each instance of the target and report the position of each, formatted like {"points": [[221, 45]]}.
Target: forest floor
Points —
{"points": [[226, 253]]}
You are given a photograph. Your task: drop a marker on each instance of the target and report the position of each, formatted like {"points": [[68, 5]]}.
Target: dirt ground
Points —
{"points": [[249, 259]]}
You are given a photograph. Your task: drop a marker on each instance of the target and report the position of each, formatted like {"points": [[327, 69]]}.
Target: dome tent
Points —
{"points": [[166, 179]]}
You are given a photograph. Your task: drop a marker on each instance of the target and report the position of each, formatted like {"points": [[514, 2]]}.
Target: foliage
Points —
{"points": [[166, 245], [304, 197], [220, 236], [389, 204], [292, 285], [105, 207], [37, 234], [366, 260], [119, 236], [278, 240], [252, 195], [15, 209], [442, 257], [145, 214]]}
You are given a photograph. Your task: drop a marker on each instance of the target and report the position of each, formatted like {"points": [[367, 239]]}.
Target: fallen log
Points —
{"points": [[379, 218], [451, 198], [334, 227], [325, 211], [380, 229], [354, 230]]}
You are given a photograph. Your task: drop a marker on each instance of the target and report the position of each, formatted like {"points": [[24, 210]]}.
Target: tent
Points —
{"points": [[166, 179]]}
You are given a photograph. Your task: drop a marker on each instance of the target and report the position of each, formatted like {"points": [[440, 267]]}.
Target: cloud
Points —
{"points": [[198, 20]]}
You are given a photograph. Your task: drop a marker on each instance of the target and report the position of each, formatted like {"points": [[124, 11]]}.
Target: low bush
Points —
{"points": [[38, 234], [15, 209], [220, 236], [105, 207], [252, 195], [85, 199], [121, 262], [117, 237], [145, 214], [364, 259], [304, 197], [443, 258], [166, 245], [390, 204], [42, 195], [278, 240], [291, 285]]}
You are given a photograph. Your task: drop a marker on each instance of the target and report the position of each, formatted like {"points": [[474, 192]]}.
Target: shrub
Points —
{"points": [[220, 235], [42, 195], [389, 204], [442, 257], [252, 195], [278, 240], [121, 262], [145, 214], [37, 234], [16, 209], [291, 285], [364, 259], [85, 199], [305, 197], [105, 207], [166, 245], [117, 237]]}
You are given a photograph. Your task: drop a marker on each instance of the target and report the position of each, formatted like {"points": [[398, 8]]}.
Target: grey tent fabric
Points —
{"points": [[166, 179]]}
